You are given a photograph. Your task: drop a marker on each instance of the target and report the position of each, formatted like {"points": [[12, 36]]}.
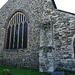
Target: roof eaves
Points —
{"points": [[54, 4], [65, 11]]}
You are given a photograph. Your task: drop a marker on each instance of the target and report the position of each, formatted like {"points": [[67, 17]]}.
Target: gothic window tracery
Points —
{"points": [[17, 32]]}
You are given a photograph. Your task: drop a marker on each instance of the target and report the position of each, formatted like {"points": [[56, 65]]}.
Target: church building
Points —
{"points": [[35, 34]]}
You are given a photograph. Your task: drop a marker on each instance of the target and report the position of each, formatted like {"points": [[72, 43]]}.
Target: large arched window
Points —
{"points": [[17, 32]]}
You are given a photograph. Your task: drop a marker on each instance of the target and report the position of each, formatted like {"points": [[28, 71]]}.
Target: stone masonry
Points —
{"points": [[46, 59], [60, 38], [64, 33]]}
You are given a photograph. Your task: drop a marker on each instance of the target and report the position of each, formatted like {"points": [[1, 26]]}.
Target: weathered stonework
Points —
{"points": [[63, 33], [46, 34], [46, 59]]}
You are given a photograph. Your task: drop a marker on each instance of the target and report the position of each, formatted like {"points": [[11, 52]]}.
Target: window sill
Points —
{"points": [[14, 49]]}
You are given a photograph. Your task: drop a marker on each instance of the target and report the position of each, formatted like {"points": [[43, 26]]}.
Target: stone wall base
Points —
{"points": [[46, 59]]}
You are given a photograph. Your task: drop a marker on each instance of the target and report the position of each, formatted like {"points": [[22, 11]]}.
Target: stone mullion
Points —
{"points": [[22, 30], [13, 19], [18, 31], [14, 30], [18, 36], [14, 35], [19, 18], [11, 24], [22, 24], [16, 19], [22, 33], [18, 28]]}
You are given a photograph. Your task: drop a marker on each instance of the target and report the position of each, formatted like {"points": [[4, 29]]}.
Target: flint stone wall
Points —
{"points": [[46, 34], [33, 9], [46, 59], [64, 33]]}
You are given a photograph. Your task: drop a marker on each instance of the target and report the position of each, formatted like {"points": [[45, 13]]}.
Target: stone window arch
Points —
{"points": [[16, 32]]}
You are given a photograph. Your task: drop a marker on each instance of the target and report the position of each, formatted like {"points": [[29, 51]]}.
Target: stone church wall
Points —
{"points": [[36, 10], [46, 59], [33, 9], [64, 32]]}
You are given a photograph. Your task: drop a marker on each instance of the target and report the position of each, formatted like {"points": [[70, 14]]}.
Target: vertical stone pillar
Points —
{"points": [[46, 59]]}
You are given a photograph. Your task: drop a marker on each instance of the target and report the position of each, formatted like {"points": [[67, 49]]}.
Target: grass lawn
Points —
{"points": [[23, 71]]}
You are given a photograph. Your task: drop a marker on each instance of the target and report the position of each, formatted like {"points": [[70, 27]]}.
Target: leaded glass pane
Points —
{"points": [[16, 36], [18, 18], [8, 38], [25, 36], [12, 38], [20, 36], [14, 19], [22, 17]]}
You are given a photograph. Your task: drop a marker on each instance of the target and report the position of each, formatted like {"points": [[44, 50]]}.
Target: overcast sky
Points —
{"points": [[66, 5], [2, 2]]}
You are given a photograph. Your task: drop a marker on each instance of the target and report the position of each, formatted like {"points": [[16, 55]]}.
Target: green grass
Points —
{"points": [[69, 73], [24, 71]]}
